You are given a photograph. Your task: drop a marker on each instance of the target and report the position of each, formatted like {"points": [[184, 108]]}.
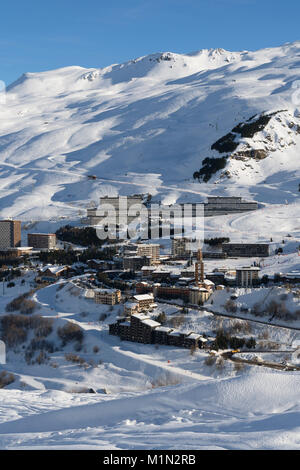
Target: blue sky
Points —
{"points": [[37, 36]]}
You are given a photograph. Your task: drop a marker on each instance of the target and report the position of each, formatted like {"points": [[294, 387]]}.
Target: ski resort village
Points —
{"points": [[150, 254], [74, 305]]}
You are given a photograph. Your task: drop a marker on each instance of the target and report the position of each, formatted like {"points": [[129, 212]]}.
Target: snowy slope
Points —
{"points": [[156, 398], [146, 126], [257, 411]]}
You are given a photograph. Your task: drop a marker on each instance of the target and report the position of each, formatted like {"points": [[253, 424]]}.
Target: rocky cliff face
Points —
{"points": [[252, 140]]}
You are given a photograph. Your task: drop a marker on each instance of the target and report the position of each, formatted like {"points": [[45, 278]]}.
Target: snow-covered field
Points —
{"points": [[257, 410], [146, 397], [145, 127]]}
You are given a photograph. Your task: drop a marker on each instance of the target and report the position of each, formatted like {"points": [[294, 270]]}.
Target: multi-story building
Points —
{"points": [[149, 249], [122, 208], [246, 250], [181, 247], [142, 329], [46, 241], [107, 296], [198, 295], [135, 263], [246, 276], [218, 205], [14, 253], [144, 301], [10, 233], [130, 308]]}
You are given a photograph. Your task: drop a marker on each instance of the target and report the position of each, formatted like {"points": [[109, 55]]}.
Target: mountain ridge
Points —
{"points": [[143, 126]]}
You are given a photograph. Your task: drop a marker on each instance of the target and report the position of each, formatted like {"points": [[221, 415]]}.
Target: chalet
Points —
{"points": [[100, 264], [51, 273]]}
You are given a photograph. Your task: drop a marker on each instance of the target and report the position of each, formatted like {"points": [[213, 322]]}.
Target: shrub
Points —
{"points": [[70, 357], [239, 366], [220, 363], [177, 321], [41, 344], [96, 349], [44, 327], [251, 343], [161, 318], [256, 310], [230, 306], [16, 335], [165, 379], [297, 314], [209, 361], [28, 306], [221, 341], [15, 328], [22, 303], [70, 332], [241, 326], [6, 379], [236, 343], [264, 334], [42, 358]]}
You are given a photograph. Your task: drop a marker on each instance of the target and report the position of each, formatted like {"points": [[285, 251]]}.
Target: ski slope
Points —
{"points": [[146, 126]]}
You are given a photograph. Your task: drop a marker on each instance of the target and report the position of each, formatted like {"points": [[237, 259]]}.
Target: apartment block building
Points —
{"points": [[107, 296], [144, 300], [149, 249], [246, 276], [10, 233], [135, 263], [122, 210], [218, 205], [181, 247], [46, 241], [246, 250]]}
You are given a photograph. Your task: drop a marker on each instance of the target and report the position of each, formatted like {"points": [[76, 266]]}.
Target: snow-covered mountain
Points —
{"points": [[147, 125]]}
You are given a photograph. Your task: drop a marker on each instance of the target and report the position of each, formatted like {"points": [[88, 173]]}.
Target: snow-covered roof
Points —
{"points": [[193, 336], [175, 333], [247, 268], [100, 290], [163, 329], [151, 323], [143, 297], [53, 269], [130, 304], [140, 316], [292, 275]]}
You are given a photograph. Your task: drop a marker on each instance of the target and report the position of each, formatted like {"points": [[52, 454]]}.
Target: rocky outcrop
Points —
{"points": [[252, 140]]}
